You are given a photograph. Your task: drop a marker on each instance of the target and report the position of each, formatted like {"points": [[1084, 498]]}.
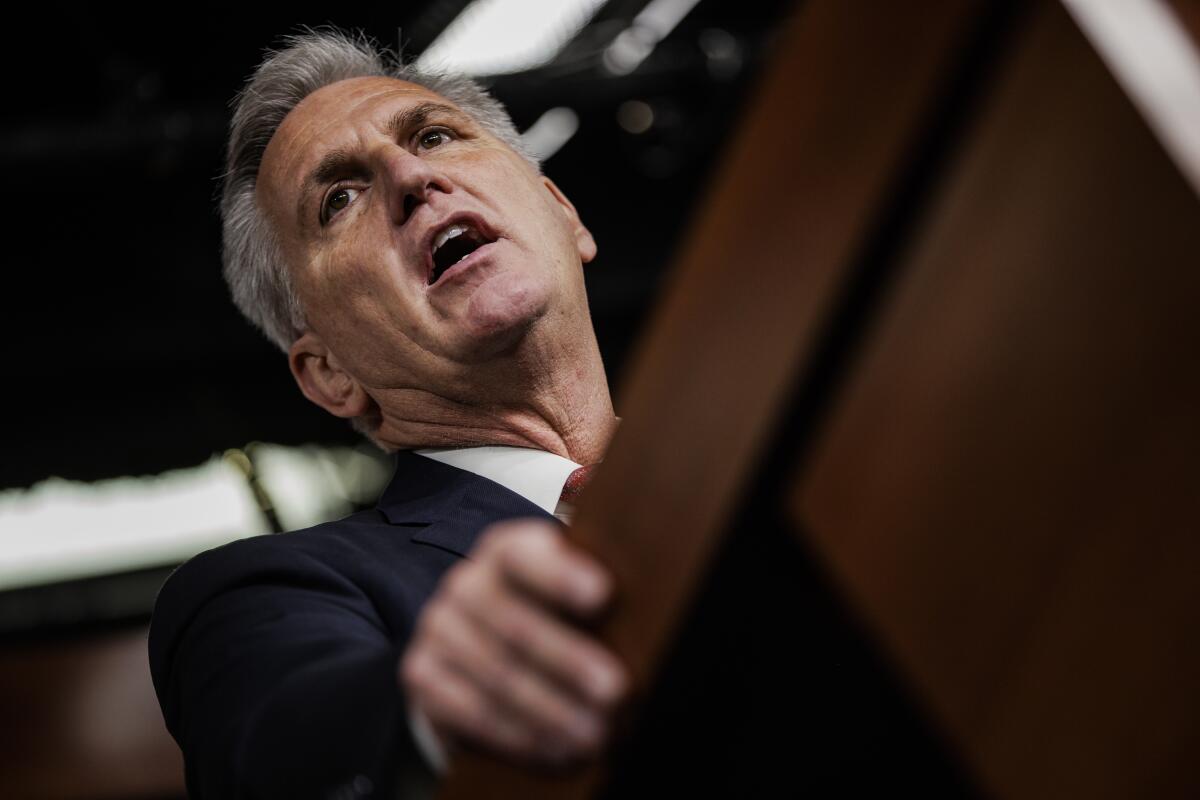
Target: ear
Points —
{"points": [[583, 237], [322, 379]]}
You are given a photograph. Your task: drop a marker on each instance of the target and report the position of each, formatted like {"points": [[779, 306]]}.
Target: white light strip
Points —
{"points": [[661, 16], [492, 37], [62, 530], [1156, 63], [634, 44], [550, 132]]}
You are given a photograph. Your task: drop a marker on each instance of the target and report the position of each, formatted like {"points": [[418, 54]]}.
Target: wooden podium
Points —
{"points": [[907, 492]]}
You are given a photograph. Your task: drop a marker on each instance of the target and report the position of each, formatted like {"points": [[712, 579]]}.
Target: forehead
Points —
{"points": [[327, 117]]}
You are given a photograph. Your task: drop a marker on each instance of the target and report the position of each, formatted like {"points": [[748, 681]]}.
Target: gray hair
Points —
{"points": [[258, 279]]}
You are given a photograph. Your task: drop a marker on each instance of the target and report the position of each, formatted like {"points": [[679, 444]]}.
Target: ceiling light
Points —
{"points": [[492, 37], [550, 132], [651, 26]]}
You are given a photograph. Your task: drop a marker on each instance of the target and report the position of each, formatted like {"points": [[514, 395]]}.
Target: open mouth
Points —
{"points": [[454, 243]]}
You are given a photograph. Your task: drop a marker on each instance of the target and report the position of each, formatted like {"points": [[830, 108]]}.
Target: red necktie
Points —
{"points": [[575, 483]]}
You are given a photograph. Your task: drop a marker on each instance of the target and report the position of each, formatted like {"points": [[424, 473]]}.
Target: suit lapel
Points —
{"points": [[450, 504]]}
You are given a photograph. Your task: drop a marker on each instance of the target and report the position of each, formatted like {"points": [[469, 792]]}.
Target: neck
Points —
{"points": [[547, 398]]}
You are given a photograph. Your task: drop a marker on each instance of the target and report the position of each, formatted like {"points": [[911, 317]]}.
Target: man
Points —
{"points": [[384, 228]]}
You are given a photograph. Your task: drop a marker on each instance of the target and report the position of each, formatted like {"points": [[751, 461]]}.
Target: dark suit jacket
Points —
{"points": [[275, 658]]}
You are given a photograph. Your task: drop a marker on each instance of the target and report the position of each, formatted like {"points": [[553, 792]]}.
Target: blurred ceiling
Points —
{"points": [[124, 355]]}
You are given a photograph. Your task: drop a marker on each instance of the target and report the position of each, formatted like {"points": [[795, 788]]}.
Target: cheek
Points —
{"points": [[347, 266], [545, 225], [372, 346], [356, 304], [558, 225], [357, 273]]}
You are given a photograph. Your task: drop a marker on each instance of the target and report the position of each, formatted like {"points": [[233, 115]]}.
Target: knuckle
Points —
{"points": [[502, 678], [498, 536], [541, 537], [436, 618], [457, 583], [521, 536], [518, 629], [465, 585], [429, 630], [416, 669]]}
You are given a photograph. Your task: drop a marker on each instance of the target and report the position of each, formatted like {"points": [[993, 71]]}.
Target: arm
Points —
{"points": [[276, 675], [279, 678]]}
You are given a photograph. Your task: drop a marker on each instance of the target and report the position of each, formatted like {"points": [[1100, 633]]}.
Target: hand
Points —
{"points": [[495, 661]]}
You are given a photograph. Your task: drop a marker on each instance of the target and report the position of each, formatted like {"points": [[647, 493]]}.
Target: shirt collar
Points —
{"points": [[536, 475]]}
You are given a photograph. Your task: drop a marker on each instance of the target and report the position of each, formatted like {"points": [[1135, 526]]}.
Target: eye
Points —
{"points": [[336, 200], [434, 137]]}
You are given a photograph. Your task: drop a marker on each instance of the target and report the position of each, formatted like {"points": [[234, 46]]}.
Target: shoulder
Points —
{"points": [[345, 553], [322, 553], [361, 569], [274, 657]]}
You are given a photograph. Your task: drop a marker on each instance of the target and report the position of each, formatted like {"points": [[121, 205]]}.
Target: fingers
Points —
{"points": [[535, 557], [526, 710], [458, 710], [529, 628], [494, 662], [499, 629]]}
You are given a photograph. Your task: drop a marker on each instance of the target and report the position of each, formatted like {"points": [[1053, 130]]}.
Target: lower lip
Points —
{"points": [[465, 264]]}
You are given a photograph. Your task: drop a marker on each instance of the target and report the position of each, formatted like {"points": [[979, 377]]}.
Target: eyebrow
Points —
{"points": [[408, 118], [340, 162]]}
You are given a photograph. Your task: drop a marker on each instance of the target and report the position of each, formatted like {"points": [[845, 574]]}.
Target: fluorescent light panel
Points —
{"points": [[661, 16], [635, 44], [61, 530], [493, 37], [550, 132]]}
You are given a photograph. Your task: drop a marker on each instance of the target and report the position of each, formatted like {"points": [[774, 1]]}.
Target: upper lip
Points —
{"points": [[462, 217]]}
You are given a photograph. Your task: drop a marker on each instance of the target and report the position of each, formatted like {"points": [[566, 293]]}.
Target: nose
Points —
{"points": [[410, 181]]}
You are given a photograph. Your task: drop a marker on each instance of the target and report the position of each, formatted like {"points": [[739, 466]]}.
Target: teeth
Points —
{"points": [[448, 234]]}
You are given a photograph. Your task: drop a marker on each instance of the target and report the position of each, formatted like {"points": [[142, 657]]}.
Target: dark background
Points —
{"points": [[122, 352]]}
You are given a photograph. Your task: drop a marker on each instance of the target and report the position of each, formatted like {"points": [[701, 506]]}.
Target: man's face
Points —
{"points": [[419, 244]]}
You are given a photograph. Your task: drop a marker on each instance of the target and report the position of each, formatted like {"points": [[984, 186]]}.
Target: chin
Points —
{"points": [[498, 320]]}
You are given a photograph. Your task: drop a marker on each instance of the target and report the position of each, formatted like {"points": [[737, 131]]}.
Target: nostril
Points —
{"points": [[410, 202]]}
